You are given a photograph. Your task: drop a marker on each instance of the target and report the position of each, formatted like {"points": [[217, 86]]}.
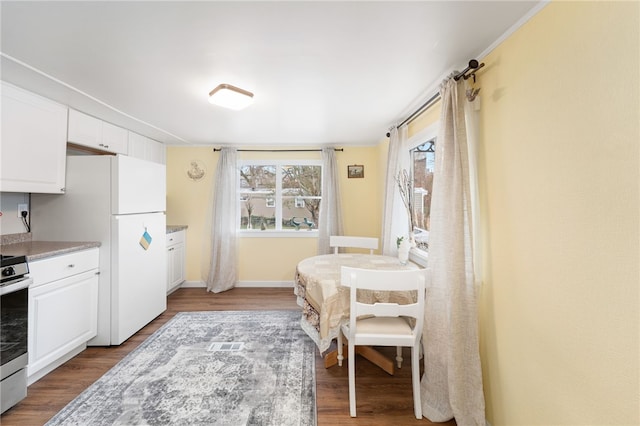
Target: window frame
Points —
{"points": [[278, 197], [425, 135]]}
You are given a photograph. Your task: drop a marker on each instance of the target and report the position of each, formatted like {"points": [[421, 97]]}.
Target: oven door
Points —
{"points": [[14, 317], [14, 303]]}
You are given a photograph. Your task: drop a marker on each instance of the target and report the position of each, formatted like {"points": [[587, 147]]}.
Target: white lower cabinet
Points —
{"points": [[175, 260], [63, 309]]}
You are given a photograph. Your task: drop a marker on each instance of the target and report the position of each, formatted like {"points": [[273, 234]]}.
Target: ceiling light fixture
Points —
{"points": [[232, 97]]}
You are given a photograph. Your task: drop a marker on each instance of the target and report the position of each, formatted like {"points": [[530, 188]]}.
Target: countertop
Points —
{"points": [[175, 228], [22, 245], [35, 250]]}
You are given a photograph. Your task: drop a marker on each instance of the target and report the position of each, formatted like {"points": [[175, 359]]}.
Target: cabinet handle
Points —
{"points": [[171, 249], [71, 265]]}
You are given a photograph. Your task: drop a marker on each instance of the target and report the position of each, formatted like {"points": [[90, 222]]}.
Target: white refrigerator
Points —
{"points": [[119, 201]]}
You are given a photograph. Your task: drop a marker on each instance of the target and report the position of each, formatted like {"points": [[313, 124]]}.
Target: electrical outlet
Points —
{"points": [[22, 208]]}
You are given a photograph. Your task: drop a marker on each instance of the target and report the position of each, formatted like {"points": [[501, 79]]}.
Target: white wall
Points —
{"points": [[9, 221]]}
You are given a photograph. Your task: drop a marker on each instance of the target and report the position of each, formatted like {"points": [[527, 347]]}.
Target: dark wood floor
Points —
{"points": [[381, 399]]}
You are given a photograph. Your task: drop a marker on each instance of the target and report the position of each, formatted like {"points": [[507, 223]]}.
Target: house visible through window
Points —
{"points": [[423, 159], [280, 196]]}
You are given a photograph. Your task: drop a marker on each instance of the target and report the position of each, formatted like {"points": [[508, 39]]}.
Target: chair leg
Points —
{"points": [[352, 379], [415, 378], [399, 356], [340, 344]]}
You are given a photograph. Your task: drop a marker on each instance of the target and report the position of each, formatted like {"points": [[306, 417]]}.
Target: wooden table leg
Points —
{"points": [[331, 358], [376, 357], [366, 352]]}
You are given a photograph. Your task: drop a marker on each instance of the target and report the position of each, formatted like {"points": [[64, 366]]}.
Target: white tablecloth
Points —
{"points": [[325, 303]]}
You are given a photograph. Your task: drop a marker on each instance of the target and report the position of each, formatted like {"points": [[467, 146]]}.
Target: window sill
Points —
{"points": [[419, 257], [278, 234]]}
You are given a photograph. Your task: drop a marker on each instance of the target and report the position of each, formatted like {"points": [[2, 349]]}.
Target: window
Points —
{"points": [[280, 195], [423, 159]]}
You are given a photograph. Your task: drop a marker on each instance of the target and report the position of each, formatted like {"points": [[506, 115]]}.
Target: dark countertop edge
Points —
{"points": [[36, 250], [175, 228]]}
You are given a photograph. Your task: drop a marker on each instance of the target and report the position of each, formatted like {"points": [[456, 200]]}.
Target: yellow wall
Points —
{"points": [[266, 259], [427, 118], [188, 201], [558, 163], [559, 192], [559, 188]]}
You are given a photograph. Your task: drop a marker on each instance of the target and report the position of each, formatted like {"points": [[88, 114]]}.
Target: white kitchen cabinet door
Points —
{"points": [[84, 129], [137, 146], [33, 143], [63, 315], [146, 149], [94, 133], [114, 138], [175, 260], [156, 152]]}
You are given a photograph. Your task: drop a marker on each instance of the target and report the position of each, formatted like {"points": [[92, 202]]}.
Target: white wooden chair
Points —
{"points": [[337, 241], [384, 324]]}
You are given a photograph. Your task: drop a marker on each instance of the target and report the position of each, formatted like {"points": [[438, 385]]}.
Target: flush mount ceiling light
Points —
{"points": [[232, 97]]}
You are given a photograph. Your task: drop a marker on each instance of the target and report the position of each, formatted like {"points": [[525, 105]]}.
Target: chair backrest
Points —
{"points": [[385, 280], [337, 241]]}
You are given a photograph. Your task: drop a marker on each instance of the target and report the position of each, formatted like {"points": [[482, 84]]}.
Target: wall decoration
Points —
{"points": [[355, 171], [196, 170]]}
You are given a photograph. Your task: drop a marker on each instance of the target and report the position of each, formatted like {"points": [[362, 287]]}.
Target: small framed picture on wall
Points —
{"points": [[355, 171]]}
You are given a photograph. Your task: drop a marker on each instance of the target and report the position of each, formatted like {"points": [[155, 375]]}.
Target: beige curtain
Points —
{"points": [[330, 210], [452, 384], [222, 274]]}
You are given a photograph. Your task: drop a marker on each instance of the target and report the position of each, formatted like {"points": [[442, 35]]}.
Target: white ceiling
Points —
{"points": [[322, 72]]}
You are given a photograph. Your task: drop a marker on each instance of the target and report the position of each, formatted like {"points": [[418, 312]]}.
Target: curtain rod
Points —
{"points": [[473, 66], [422, 107], [279, 150]]}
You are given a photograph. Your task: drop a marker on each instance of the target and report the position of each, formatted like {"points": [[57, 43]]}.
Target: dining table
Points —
{"points": [[325, 302]]}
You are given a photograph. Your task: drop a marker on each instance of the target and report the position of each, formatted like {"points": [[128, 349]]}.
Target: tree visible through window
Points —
{"points": [[423, 159], [280, 196]]}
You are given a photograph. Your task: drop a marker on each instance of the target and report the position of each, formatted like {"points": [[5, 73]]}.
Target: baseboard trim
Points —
{"points": [[265, 284], [188, 284], [33, 377], [246, 284]]}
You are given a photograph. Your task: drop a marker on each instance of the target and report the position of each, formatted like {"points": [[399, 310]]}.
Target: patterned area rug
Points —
{"points": [[208, 368]]}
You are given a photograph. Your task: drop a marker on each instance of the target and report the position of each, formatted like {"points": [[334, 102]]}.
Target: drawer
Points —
{"points": [[55, 268], [175, 238]]}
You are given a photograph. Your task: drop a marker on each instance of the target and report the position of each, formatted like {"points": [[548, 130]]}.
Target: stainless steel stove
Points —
{"points": [[14, 304]]}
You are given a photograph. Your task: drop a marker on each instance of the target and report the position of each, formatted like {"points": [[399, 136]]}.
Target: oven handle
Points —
{"points": [[13, 287]]}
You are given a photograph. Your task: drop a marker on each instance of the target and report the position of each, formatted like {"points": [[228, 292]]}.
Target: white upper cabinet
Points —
{"points": [[33, 144], [146, 149], [95, 133], [114, 138]]}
